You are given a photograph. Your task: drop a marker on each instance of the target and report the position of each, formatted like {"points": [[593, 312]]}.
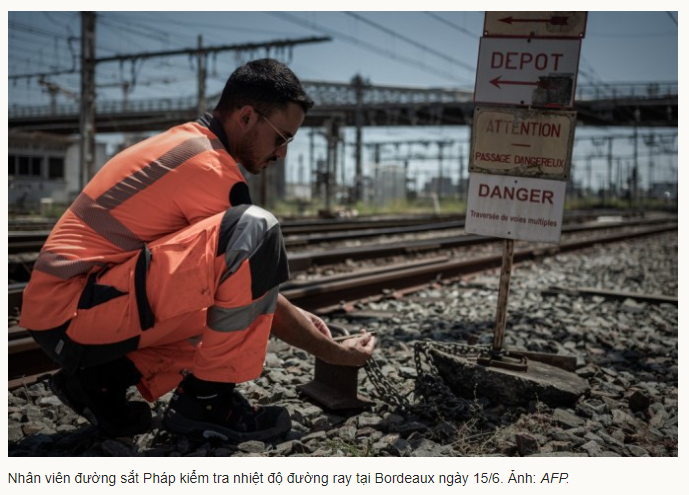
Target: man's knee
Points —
{"points": [[250, 232], [244, 227]]}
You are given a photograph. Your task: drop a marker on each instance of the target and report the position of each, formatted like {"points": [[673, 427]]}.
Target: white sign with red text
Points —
{"points": [[529, 72], [521, 141], [519, 208]]}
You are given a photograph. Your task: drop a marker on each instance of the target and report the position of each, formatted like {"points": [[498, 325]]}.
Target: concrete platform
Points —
{"points": [[548, 384]]}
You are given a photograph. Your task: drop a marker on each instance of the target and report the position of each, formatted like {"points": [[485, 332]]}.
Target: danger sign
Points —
{"points": [[532, 72], [515, 207], [517, 141]]}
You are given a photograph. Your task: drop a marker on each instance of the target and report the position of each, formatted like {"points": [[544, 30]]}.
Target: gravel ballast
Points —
{"points": [[627, 350]]}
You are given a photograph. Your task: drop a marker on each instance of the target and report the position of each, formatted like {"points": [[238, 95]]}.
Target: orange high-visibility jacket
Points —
{"points": [[154, 188]]}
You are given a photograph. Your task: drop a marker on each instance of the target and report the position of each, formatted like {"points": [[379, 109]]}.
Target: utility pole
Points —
{"points": [[461, 172], [358, 84], [343, 156], [300, 171], [650, 143], [610, 184], [332, 138], [315, 179], [589, 170], [635, 175], [441, 145], [201, 70], [619, 175], [87, 118], [637, 118]]}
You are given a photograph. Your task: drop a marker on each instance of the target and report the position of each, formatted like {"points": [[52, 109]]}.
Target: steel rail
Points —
{"points": [[25, 358], [305, 260], [301, 232]]}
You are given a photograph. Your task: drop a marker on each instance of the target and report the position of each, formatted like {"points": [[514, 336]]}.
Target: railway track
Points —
{"points": [[302, 225], [27, 238], [299, 262], [30, 237], [337, 292]]}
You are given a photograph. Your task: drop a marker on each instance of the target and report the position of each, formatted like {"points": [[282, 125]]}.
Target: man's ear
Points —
{"points": [[246, 115]]}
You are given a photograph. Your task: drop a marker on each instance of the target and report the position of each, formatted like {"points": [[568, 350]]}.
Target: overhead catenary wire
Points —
{"points": [[56, 71], [368, 46], [220, 27], [452, 25], [34, 30], [412, 42], [132, 29]]}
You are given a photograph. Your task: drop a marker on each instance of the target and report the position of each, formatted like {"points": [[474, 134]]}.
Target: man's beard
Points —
{"points": [[247, 155]]}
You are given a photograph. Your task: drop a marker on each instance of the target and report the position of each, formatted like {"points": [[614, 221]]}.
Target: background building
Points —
{"points": [[44, 167]]}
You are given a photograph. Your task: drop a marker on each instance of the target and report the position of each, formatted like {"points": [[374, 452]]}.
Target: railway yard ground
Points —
{"points": [[598, 305]]}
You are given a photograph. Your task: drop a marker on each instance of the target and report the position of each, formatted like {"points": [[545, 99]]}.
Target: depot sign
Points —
{"points": [[538, 72], [523, 142], [515, 207]]}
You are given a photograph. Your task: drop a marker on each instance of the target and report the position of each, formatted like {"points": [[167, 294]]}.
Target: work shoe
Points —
{"points": [[102, 402], [216, 410]]}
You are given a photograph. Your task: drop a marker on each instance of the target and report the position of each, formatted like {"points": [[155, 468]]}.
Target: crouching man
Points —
{"points": [[163, 275]]}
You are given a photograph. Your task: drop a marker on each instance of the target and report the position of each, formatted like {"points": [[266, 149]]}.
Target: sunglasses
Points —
{"points": [[282, 141]]}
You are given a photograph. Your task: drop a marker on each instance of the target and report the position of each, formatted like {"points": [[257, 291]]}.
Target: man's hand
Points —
{"points": [[357, 350], [317, 322], [308, 332]]}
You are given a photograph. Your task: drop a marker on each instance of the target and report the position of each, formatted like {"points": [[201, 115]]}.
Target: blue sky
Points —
{"points": [[436, 49]]}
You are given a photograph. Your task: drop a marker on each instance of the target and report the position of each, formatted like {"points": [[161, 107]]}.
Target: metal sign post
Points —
{"points": [[519, 164], [522, 139], [503, 295]]}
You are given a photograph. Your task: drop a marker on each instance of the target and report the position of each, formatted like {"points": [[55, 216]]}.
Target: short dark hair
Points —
{"points": [[265, 84]]}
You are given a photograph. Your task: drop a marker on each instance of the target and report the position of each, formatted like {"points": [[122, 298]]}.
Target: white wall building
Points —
{"points": [[44, 166]]}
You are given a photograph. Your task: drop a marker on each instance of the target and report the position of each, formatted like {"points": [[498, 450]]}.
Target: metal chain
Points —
{"points": [[432, 397], [386, 391]]}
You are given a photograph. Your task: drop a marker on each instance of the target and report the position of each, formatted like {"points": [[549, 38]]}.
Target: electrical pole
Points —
{"points": [[300, 171], [610, 185], [343, 156], [201, 70], [315, 180], [636, 160], [332, 137], [441, 145], [589, 170], [461, 172], [358, 84], [87, 118], [650, 142]]}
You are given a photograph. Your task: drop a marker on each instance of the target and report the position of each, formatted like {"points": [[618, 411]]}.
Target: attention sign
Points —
{"points": [[535, 24], [515, 207], [523, 142], [530, 72]]}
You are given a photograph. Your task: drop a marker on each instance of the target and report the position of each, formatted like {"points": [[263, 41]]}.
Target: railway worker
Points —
{"points": [[164, 247]]}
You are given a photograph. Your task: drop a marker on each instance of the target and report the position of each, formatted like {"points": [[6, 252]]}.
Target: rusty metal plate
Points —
{"points": [[522, 142], [560, 24], [335, 386]]}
